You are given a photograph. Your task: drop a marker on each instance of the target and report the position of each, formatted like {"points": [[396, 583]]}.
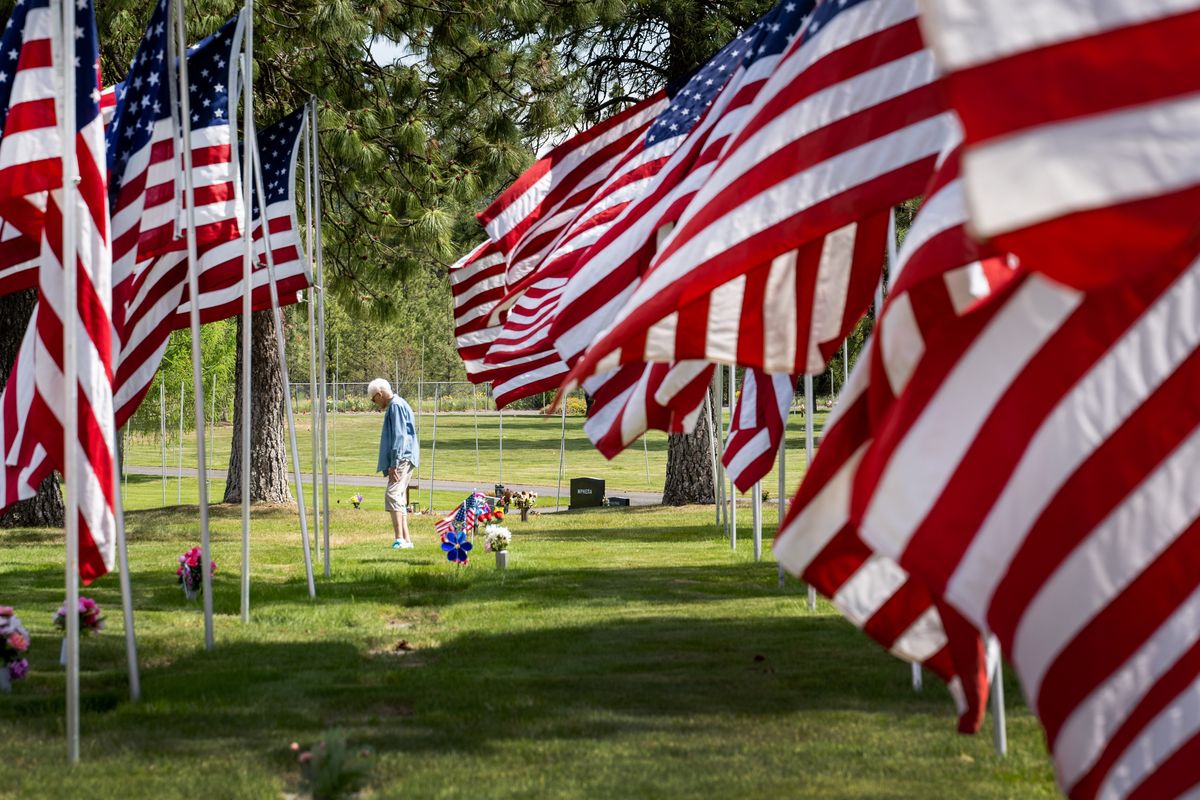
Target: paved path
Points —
{"points": [[546, 492]]}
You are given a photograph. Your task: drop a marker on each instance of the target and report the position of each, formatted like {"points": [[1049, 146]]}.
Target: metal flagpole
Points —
{"points": [[918, 679], [162, 432], [757, 514], [712, 446], [999, 727], [808, 454], [783, 478], [179, 482], [562, 453], [437, 394], [718, 406], [646, 454], [420, 405], [277, 314], [247, 303], [732, 488], [337, 368], [312, 332], [502, 447], [194, 307], [212, 406], [323, 365], [66, 27], [845, 363], [135, 681], [475, 416]]}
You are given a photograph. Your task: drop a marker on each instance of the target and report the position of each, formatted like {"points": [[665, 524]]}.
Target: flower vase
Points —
{"points": [[524, 515], [5, 681], [501, 559], [190, 593]]}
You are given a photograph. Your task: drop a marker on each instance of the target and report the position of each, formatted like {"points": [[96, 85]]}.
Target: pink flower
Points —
{"points": [[18, 669], [295, 746], [305, 757], [6, 611], [18, 642]]}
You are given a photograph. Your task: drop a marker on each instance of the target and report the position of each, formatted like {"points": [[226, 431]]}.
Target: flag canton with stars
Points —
{"points": [[277, 149], [143, 99], [87, 65], [11, 45], [769, 36], [209, 77], [824, 14]]}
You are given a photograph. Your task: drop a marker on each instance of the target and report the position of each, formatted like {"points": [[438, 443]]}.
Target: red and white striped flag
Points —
{"points": [[849, 122], [150, 264], [939, 274], [638, 398], [1078, 182], [36, 392], [757, 429]]}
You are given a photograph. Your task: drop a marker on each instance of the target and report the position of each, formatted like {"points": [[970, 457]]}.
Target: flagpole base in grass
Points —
{"points": [[501, 559]]}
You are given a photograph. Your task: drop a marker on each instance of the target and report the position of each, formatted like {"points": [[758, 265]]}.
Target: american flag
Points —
{"points": [[477, 284], [151, 265], [940, 272], [641, 397], [279, 149], [758, 426], [1073, 176], [849, 122], [466, 514], [691, 133], [31, 151]]}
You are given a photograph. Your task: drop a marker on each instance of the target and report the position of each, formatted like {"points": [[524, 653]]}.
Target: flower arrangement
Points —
{"points": [[356, 499], [190, 576], [524, 500], [496, 538], [91, 620], [498, 512], [14, 643]]}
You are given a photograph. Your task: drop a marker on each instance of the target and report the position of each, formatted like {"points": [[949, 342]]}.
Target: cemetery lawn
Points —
{"points": [[626, 653], [531, 444]]}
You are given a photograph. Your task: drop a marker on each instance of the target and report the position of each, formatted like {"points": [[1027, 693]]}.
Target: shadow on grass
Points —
{"points": [[480, 690]]}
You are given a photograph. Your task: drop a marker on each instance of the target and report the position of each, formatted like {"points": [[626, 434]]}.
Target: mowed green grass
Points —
{"points": [[626, 653], [531, 451]]}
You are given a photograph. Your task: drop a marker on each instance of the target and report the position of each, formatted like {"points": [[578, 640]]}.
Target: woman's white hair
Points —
{"points": [[378, 385]]}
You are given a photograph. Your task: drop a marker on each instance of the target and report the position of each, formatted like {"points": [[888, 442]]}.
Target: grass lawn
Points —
{"points": [[625, 653], [531, 445]]}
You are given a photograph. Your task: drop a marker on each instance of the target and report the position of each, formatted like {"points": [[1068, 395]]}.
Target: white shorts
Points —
{"points": [[396, 497]]}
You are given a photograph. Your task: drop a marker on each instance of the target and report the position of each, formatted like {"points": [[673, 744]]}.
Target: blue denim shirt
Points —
{"points": [[398, 442]]}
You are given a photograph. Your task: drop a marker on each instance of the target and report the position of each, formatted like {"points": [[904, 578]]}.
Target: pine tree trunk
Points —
{"points": [[268, 444], [46, 509], [689, 467]]}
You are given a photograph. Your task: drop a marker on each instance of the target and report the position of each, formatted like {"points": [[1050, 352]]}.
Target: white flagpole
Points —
{"points": [[562, 454], [475, 417], [162, 432], [501, 446], [646, 455], [999, 727], [808, 452], [247, 301], [179, 481], [194, 307], [783, 479], [712, 447], [322, 365], [718, 407], [732, 488], [437, 394], [757, 515], [918, 678], [252, 149], [312, 335], [212, 416], [135, 681], [66, 27]]}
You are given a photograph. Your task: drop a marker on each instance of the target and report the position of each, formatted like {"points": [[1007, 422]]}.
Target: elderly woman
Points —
{"points": [[399, 454]]}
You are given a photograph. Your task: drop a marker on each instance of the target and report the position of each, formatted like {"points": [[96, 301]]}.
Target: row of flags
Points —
{"points": [[1011, 463], [132, 271]]}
